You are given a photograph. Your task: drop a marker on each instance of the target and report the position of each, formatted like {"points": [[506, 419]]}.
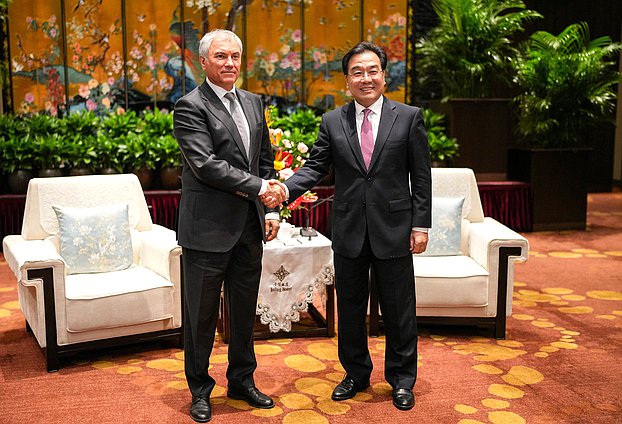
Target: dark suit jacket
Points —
{"points": [[384, 202], [218, 178]]}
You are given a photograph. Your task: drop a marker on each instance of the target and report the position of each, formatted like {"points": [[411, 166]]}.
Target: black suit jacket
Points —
{"points": [[385, 201], [219, 179]]}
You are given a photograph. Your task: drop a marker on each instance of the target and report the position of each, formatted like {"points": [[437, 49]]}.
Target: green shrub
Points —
{"points": [[443, 149], [567, 85]]}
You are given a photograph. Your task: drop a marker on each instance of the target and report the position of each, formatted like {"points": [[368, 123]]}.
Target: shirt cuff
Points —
{"points": [[264, 187], [272, 215], [421, 229]]}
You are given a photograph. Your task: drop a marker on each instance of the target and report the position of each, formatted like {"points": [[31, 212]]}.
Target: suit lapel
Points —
{"points": [[217, 108], [387, 119], [247, 107], [348, 121]]}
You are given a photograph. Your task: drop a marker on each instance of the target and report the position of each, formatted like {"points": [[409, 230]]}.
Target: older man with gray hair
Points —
{"points": [[228, 175]]}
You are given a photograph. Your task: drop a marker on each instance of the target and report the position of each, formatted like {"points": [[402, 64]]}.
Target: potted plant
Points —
{"points": [[16, 154], [157, 123], [111, 146], [566, 87], [169, 156], [81, 154], [469, 55], [50, 153], [117, 125], [80, 130], [140, 158], [443, 149], [157, 132], [109, 155]]}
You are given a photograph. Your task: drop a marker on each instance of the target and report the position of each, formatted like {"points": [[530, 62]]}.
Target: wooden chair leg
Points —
{"points": [[51, 341], [502, 289]]}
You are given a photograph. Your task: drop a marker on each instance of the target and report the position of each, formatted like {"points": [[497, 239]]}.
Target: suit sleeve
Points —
{"points": [[266, 157], [315, 168], [196, 143], [420, 173]]}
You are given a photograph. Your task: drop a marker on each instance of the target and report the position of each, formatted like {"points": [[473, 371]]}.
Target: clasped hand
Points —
{"points": [[274, 195]]}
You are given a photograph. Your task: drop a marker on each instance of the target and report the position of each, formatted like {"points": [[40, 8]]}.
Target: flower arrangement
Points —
{"points": [[292, 137]]}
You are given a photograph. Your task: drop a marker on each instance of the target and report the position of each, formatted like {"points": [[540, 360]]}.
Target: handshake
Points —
{"points": [[275, 195]]}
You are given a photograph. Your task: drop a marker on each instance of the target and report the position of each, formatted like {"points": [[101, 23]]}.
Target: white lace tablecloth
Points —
{"points": [[293, 271]]}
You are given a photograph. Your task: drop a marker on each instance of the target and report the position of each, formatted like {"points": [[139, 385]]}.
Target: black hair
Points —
{"points": [[361, 48]]}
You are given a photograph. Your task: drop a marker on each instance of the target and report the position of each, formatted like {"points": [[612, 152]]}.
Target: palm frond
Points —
{"points": [[567, 84], [470, 50]]}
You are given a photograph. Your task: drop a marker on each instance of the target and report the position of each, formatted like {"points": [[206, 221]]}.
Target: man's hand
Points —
{"points": [[418, 241], [275, 195], [272, 228]]}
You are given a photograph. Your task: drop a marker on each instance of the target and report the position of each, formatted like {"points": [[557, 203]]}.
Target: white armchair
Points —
{"points": [[69, 312], [475, 286]]}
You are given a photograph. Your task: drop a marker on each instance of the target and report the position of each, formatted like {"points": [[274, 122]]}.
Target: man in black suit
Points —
{"points": [[227, 165], [380, 216]]}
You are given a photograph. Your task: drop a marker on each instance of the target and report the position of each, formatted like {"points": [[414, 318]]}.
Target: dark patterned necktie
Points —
{"points": [[238, 118]]}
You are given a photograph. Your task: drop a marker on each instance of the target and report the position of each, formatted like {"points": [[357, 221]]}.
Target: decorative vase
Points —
{"points": [[108, 171], [480, 125], [80, 171], [558, 185], [145, 176], [50, 172], [18, 181], [170, 176]]}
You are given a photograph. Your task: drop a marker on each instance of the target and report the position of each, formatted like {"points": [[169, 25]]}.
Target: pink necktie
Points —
{"points": [[367, 138]]}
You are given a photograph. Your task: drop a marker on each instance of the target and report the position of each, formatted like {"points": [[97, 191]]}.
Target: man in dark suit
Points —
{"points": [[380, 216], [227, 165]]}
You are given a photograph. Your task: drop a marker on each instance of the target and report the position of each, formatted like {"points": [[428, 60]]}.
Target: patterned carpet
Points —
{"points": [[559, 363]]}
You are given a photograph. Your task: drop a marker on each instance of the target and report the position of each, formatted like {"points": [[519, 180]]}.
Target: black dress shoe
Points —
{"points": [[200, 410], [347, 389], [403, 399], [253, 397]]}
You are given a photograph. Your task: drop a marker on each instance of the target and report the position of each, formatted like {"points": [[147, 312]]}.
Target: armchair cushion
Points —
{"points": [[123, 298], [446, 231], [450, 282], [95, 239]]}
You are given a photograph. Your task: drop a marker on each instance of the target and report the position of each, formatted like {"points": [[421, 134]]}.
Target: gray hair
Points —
{"points": [[207, 39]]}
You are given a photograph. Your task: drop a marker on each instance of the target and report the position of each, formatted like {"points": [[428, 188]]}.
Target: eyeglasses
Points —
{"points": [[359, 75]]}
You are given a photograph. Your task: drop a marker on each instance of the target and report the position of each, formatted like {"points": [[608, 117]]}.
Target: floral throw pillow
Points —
{"points": [[95, 239], [444, 236]]}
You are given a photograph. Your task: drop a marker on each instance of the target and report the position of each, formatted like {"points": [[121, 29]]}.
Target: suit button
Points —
{"points": [[363, 203], [368, 178]]}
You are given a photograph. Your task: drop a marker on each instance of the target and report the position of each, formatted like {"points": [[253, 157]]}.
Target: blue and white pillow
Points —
{"points": [[95, 239], [445, 234]]}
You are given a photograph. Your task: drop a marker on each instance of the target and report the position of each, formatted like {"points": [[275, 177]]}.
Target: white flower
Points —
{"points": [[84, 229], [285, 173], [302, 148]]}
